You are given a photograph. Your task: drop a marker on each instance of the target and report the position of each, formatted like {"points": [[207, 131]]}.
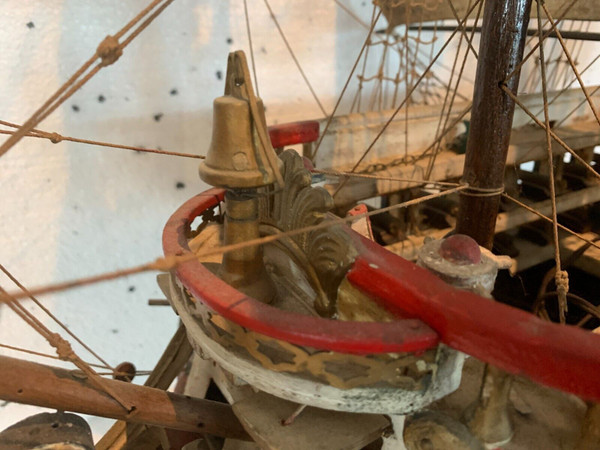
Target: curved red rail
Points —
{"points": [[560, 356], [294, 133], [408, 335]]}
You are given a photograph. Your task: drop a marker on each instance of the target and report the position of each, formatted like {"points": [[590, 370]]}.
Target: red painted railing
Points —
{"points": [[560, 356], [294, 133]]}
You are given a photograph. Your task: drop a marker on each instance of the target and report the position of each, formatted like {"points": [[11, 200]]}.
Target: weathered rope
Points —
{"points": [[473, 191], [166, 264], [56, 138], [53, 317], [108, 52]]}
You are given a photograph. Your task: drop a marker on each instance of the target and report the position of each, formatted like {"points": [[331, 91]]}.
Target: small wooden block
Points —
{"points": [[261, 415]]}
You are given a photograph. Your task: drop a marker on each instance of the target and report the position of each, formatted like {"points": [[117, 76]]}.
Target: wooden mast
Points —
{"points": [[504, 31], [500, 51]]}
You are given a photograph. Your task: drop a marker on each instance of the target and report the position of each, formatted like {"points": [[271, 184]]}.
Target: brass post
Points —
{"points": [[241, 159], [244, 268]]}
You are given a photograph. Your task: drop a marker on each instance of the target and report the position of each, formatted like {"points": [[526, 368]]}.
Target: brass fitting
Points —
{"points": [[241, 159], [244, 268], [233, 158]]}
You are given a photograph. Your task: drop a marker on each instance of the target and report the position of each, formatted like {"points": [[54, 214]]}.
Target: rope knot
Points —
{"points": [[109, 51], [63, 347], [474, 191], [562, 288], [55, 138], [165, 264], [562, 282]]}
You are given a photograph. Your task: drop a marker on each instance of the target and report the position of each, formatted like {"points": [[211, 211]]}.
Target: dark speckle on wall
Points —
{"points": [[75, 108], [180, 185], [158, 116], [131, 289], [174, 91], [30, 25], [101, 98], [229, 40], [219, 75]]}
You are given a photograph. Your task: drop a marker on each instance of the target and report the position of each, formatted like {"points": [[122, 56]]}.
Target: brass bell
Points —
{"points": [[236, 158], [241, 159]]}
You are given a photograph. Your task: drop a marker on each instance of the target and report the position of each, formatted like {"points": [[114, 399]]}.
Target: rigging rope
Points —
{"points": [[168, 263], [562, 278], [107, 52], [287, 44], [63, 348], [413, 87], [53, 317], [56, 138]]}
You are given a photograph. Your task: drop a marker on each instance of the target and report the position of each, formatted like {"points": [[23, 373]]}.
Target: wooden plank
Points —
{"points": [[409, 248], [171, 363], [440, 10], [565, 202], [261, 415], [349, 135], [532, 254], [66, 390], [526, 144], [232, 388]]}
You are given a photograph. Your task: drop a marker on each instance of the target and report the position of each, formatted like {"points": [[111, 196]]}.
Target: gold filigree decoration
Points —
{"points": [[329, 252], [343, 371]]}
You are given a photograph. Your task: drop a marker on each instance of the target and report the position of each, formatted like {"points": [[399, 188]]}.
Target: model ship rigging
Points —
{"points": [[323, 317]]}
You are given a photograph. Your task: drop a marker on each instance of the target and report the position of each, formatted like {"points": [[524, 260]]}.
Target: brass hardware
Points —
{"points": [[241, 159], [233, 160], [343, 371], [244, 268], [329, 252], [240, 155]]}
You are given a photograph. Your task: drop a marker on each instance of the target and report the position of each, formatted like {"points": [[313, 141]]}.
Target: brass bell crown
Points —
{"points": [[240, 154]]}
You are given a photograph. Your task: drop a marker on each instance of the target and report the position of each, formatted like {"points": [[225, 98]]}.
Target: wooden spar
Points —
{"points": [[500, 51], [565, 34], [67, 390], [398, 15]]}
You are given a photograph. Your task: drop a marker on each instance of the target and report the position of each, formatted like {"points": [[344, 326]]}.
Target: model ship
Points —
{"points": [[317, 335]]}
